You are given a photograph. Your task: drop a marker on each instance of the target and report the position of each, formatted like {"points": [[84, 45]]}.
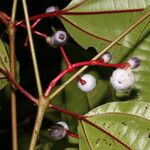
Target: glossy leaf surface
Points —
{"points": [[128, 121], [106, 22]]}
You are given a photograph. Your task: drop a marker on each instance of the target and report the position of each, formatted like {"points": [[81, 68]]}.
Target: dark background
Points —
{"points": [[48, 61]]}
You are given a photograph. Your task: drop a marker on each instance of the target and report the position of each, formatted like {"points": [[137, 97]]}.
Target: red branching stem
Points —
{"points": [[43, 35], [81, 117], [4, 18], [14, 82], [72, 134], [34, 31], [57, 108], [66, 59], [67, 12], [41, 16], [36, 23], [73, 66], [52, 14], [97, 63], [69, 64]]}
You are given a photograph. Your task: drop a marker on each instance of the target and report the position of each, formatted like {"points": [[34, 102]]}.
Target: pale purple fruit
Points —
{"points": [[107, 57], [57, 132], [51, 9], [134, 62]]}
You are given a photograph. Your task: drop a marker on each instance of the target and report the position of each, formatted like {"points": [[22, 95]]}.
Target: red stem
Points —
{"points": [[34, 31], [41, 16], [69, 64], [66, 12], [52, 14], [70, 133], [73, 66], [65, 56], [43, 35], [13, 81], [36, 23]]}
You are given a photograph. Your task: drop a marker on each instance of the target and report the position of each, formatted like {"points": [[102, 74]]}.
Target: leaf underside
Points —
{"points": [[128, 121], [4, 62]]}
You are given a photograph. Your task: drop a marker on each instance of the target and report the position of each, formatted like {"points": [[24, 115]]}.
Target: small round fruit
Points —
{"points": [[57, 132], [51, 9], [122, 79], [90, 83], [59, 38], [107, 57], [134, 62]]}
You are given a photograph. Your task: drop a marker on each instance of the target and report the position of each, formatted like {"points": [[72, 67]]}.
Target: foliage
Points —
{"points": [[112, 120]]}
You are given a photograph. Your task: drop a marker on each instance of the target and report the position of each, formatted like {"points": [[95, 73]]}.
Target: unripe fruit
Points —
{"points": [[134, 62], [57, 132], [107, 57], [122, 79], [90, 83], [51, 9], [59, 38]]}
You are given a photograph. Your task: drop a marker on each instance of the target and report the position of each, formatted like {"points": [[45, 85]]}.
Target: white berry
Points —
{"points": [[90, 83], [64, 124], [51, 9], [59, 38], [134, 62], [122, 79], [107, 57]]}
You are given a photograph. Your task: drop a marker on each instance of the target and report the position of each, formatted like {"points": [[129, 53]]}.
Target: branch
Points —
{"points": [[11, 30], [37, 76]]}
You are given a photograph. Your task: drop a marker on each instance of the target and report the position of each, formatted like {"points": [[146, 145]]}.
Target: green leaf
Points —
{"points": [[4, 62], [5, 86], [128, 121], [104, 27], [142, 73]]}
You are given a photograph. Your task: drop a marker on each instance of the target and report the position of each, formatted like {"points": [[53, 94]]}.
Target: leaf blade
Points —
{"points": [[124, 120]]}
